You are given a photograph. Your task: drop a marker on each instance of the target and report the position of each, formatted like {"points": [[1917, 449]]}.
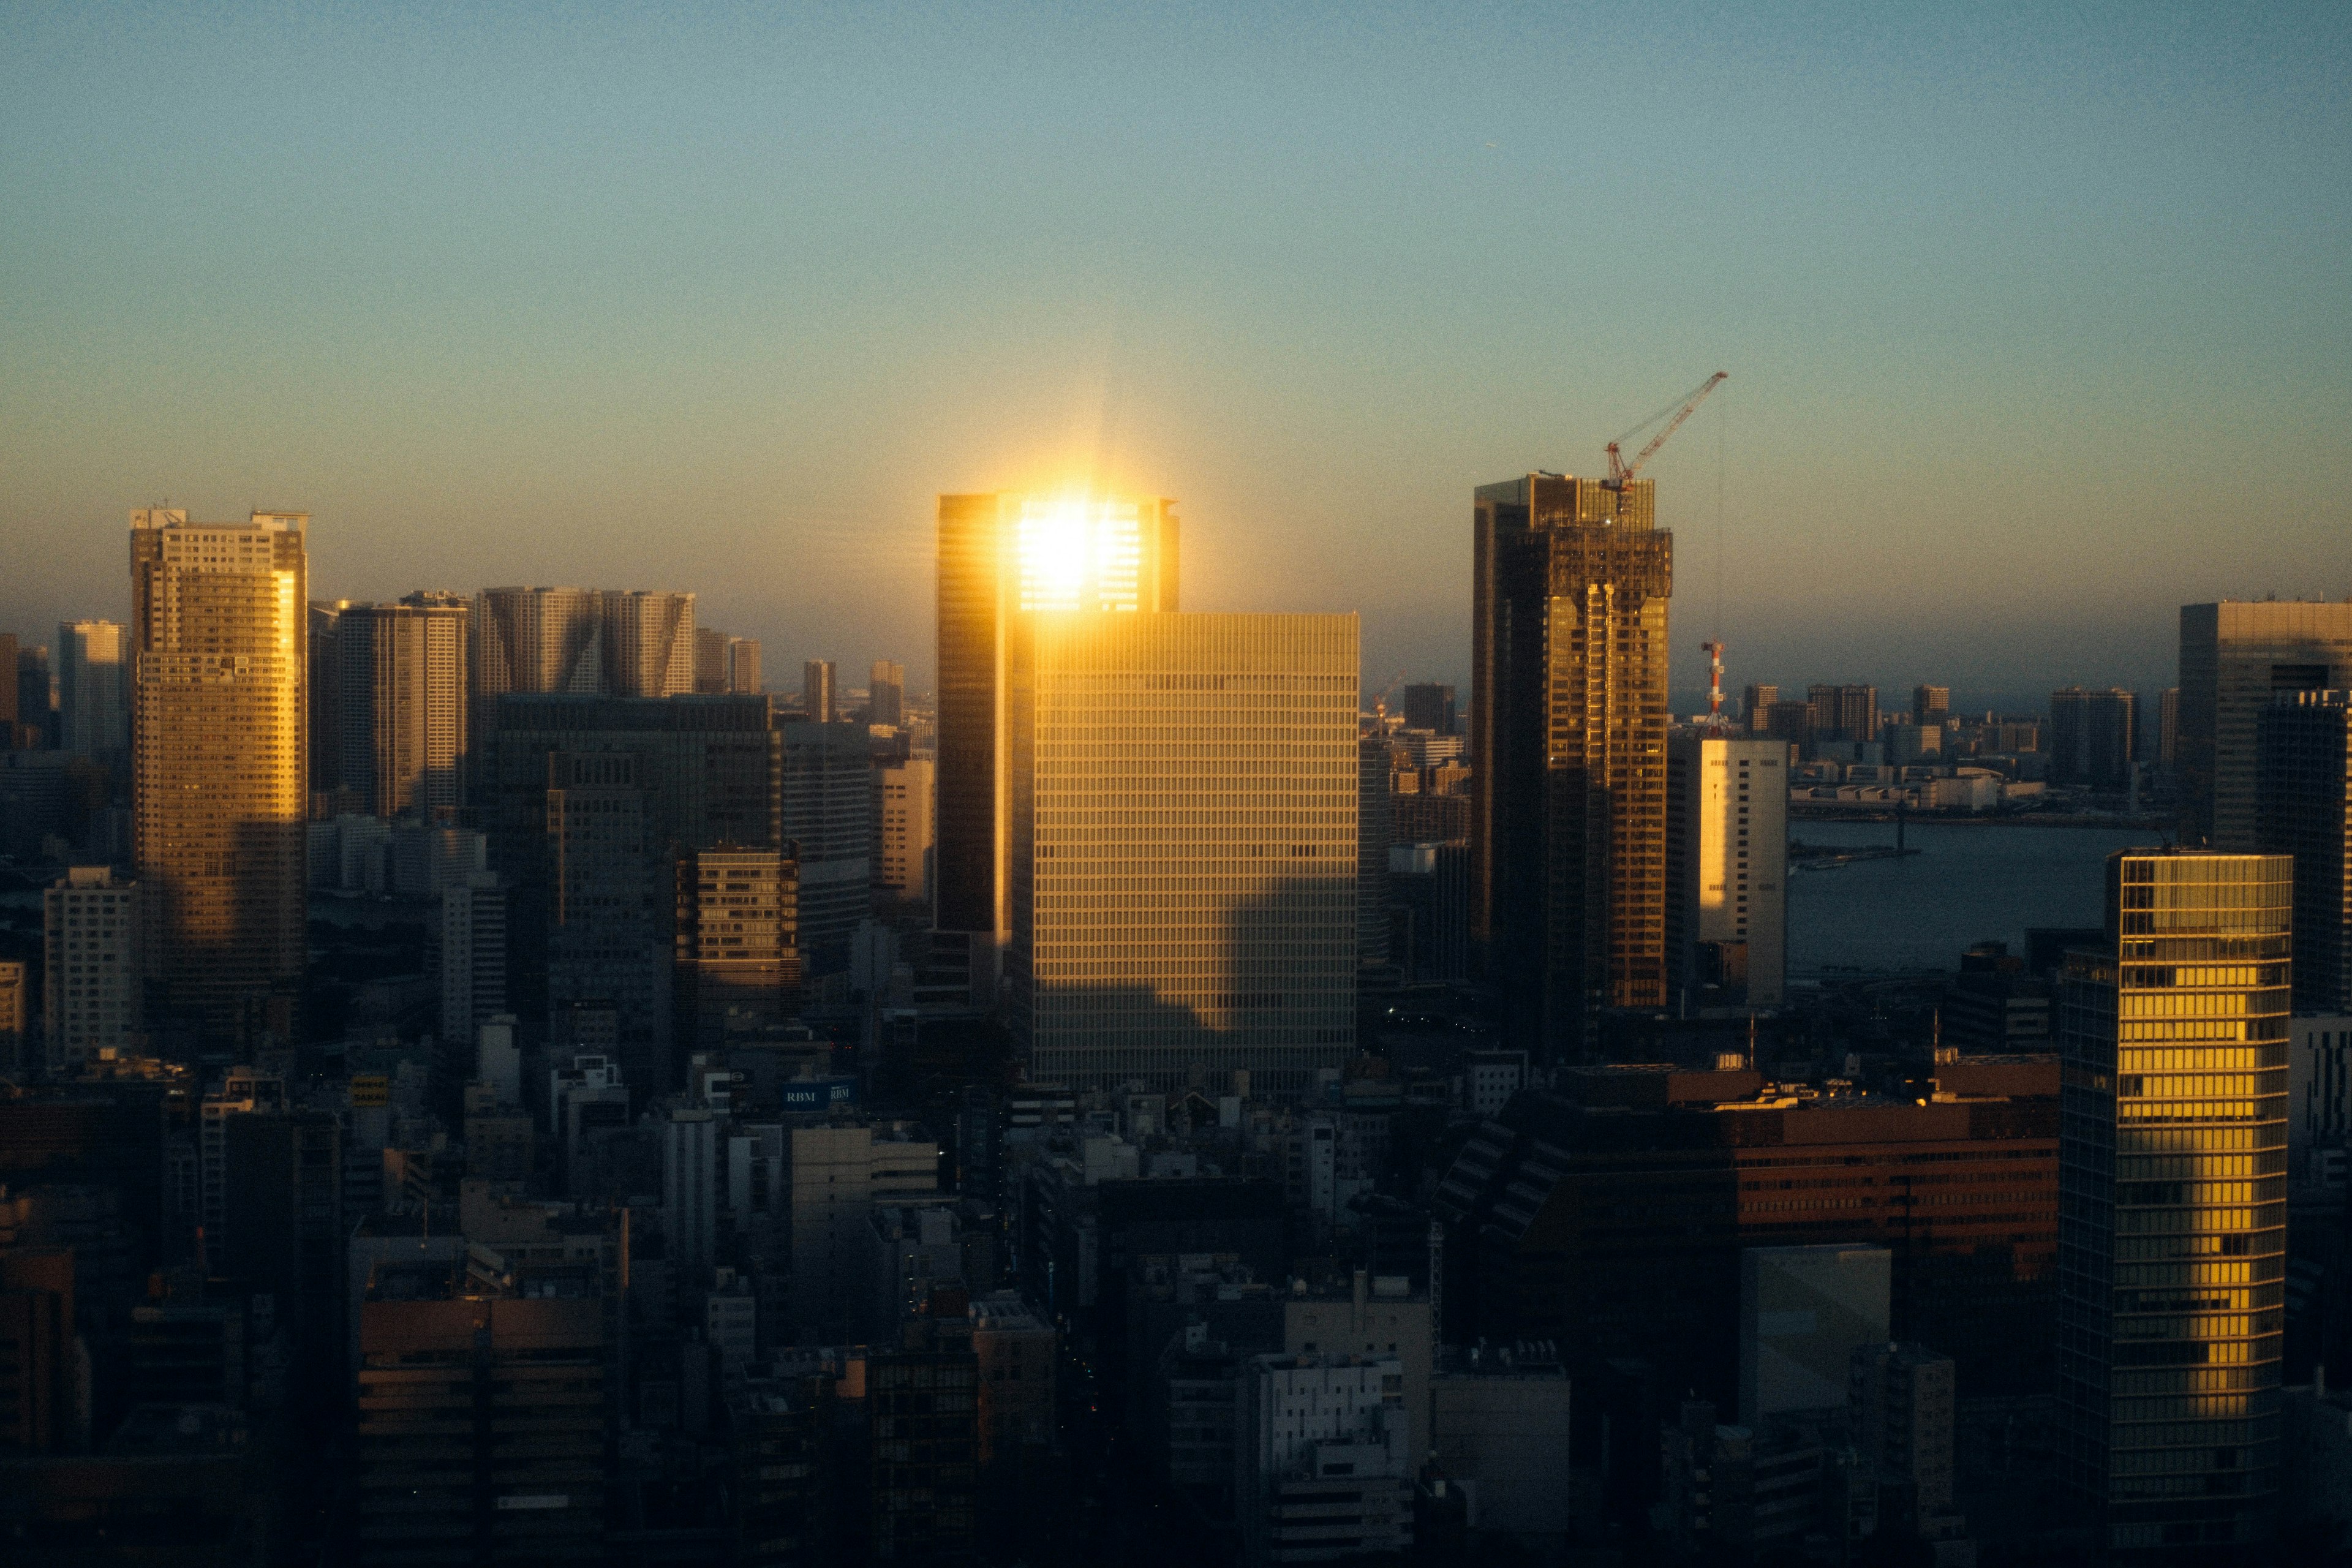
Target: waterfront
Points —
{"points": [[1969, 883]]}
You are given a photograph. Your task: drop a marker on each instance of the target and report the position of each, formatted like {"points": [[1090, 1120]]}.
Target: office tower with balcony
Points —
{"points": [[886, 692], [903, 844], [1568, 715], [1728, 864], [2091, 737], [1429, 705], [219, 635], [93, 976], [1930, 705], [2303, 808], [401, 705], [1182, 876], [94, 691], [1001, 557], [2235, 655], [2172, 1230], [1844, 713], [1754, 698], [737, 943], [816, 691]]}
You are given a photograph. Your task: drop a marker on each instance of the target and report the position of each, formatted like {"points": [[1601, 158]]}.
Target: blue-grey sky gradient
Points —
{"points": [[2037, 318]]}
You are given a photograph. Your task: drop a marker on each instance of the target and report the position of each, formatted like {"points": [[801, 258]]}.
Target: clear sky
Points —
{"points": [[2037, 317]]}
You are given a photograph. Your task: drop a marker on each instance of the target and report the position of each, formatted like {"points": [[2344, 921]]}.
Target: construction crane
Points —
{"points": [[1620, 470]]}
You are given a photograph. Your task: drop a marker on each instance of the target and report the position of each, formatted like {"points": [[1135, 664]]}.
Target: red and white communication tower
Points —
{"points": [[1714, 651]]}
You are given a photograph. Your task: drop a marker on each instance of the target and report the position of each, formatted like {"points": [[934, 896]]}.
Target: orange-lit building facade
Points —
{"points": [[220, 740]]}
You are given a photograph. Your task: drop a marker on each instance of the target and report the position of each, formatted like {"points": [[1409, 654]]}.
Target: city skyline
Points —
{"points": [[1932, 252]]}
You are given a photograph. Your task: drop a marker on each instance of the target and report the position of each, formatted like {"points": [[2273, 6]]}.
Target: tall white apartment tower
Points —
{"points": [[91, 963], [1183, 847], [1727, 869], [94, 690]]}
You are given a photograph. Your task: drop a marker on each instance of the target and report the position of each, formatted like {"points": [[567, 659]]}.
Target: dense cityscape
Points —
{"points": [[492, 1080], [949, 786]]}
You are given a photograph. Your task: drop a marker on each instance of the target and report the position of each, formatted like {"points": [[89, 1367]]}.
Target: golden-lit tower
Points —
{"points": [[220, 635], [1001, 555], [1568, 709], [2172, 1187]]}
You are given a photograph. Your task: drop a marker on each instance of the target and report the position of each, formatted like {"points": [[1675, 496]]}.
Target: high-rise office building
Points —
{"points": [[903, 846], [2303, 807], [1184, 841], [607, 941], [2092, 737], [827, 813], [323, 678], [839, 1175], [886, 692], [2234, 656], [92, 955], [473, 962], [1930, 704], [816, 691], [1001, 557], [94, 691], [1429, 705], [1844, 713], [219, 631], [2168, 728], [1567, 716], [2172, 1230], [1754, 698], [738, 941], [1375, 831], [1727, 866], [401, 704]]}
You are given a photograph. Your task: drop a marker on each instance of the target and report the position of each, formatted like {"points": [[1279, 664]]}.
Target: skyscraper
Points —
{"points": [[1000, 556], [2168, 728], [743, 667], [2092, 737], [219, 629], [607, 940], [473, 963], [649, 641], [1728, 862], [2234, 656], [827, 814], [886, 692], [2172, 1230], [1183, 876], [584, 641], [94, 691], [1375, 831], [817, 690], [1754, 698], [401, 704], [1930, 704], [1568, 715], [2303, 807], [709, 660]]}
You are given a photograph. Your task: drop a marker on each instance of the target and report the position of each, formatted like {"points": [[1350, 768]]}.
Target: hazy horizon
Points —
{"points": [[2036, 324]]}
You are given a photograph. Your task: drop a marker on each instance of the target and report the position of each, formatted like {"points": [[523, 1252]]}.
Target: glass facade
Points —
{"points": [[220, 628], [1185, 844], [1001, 555], [2172, 1232]]}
